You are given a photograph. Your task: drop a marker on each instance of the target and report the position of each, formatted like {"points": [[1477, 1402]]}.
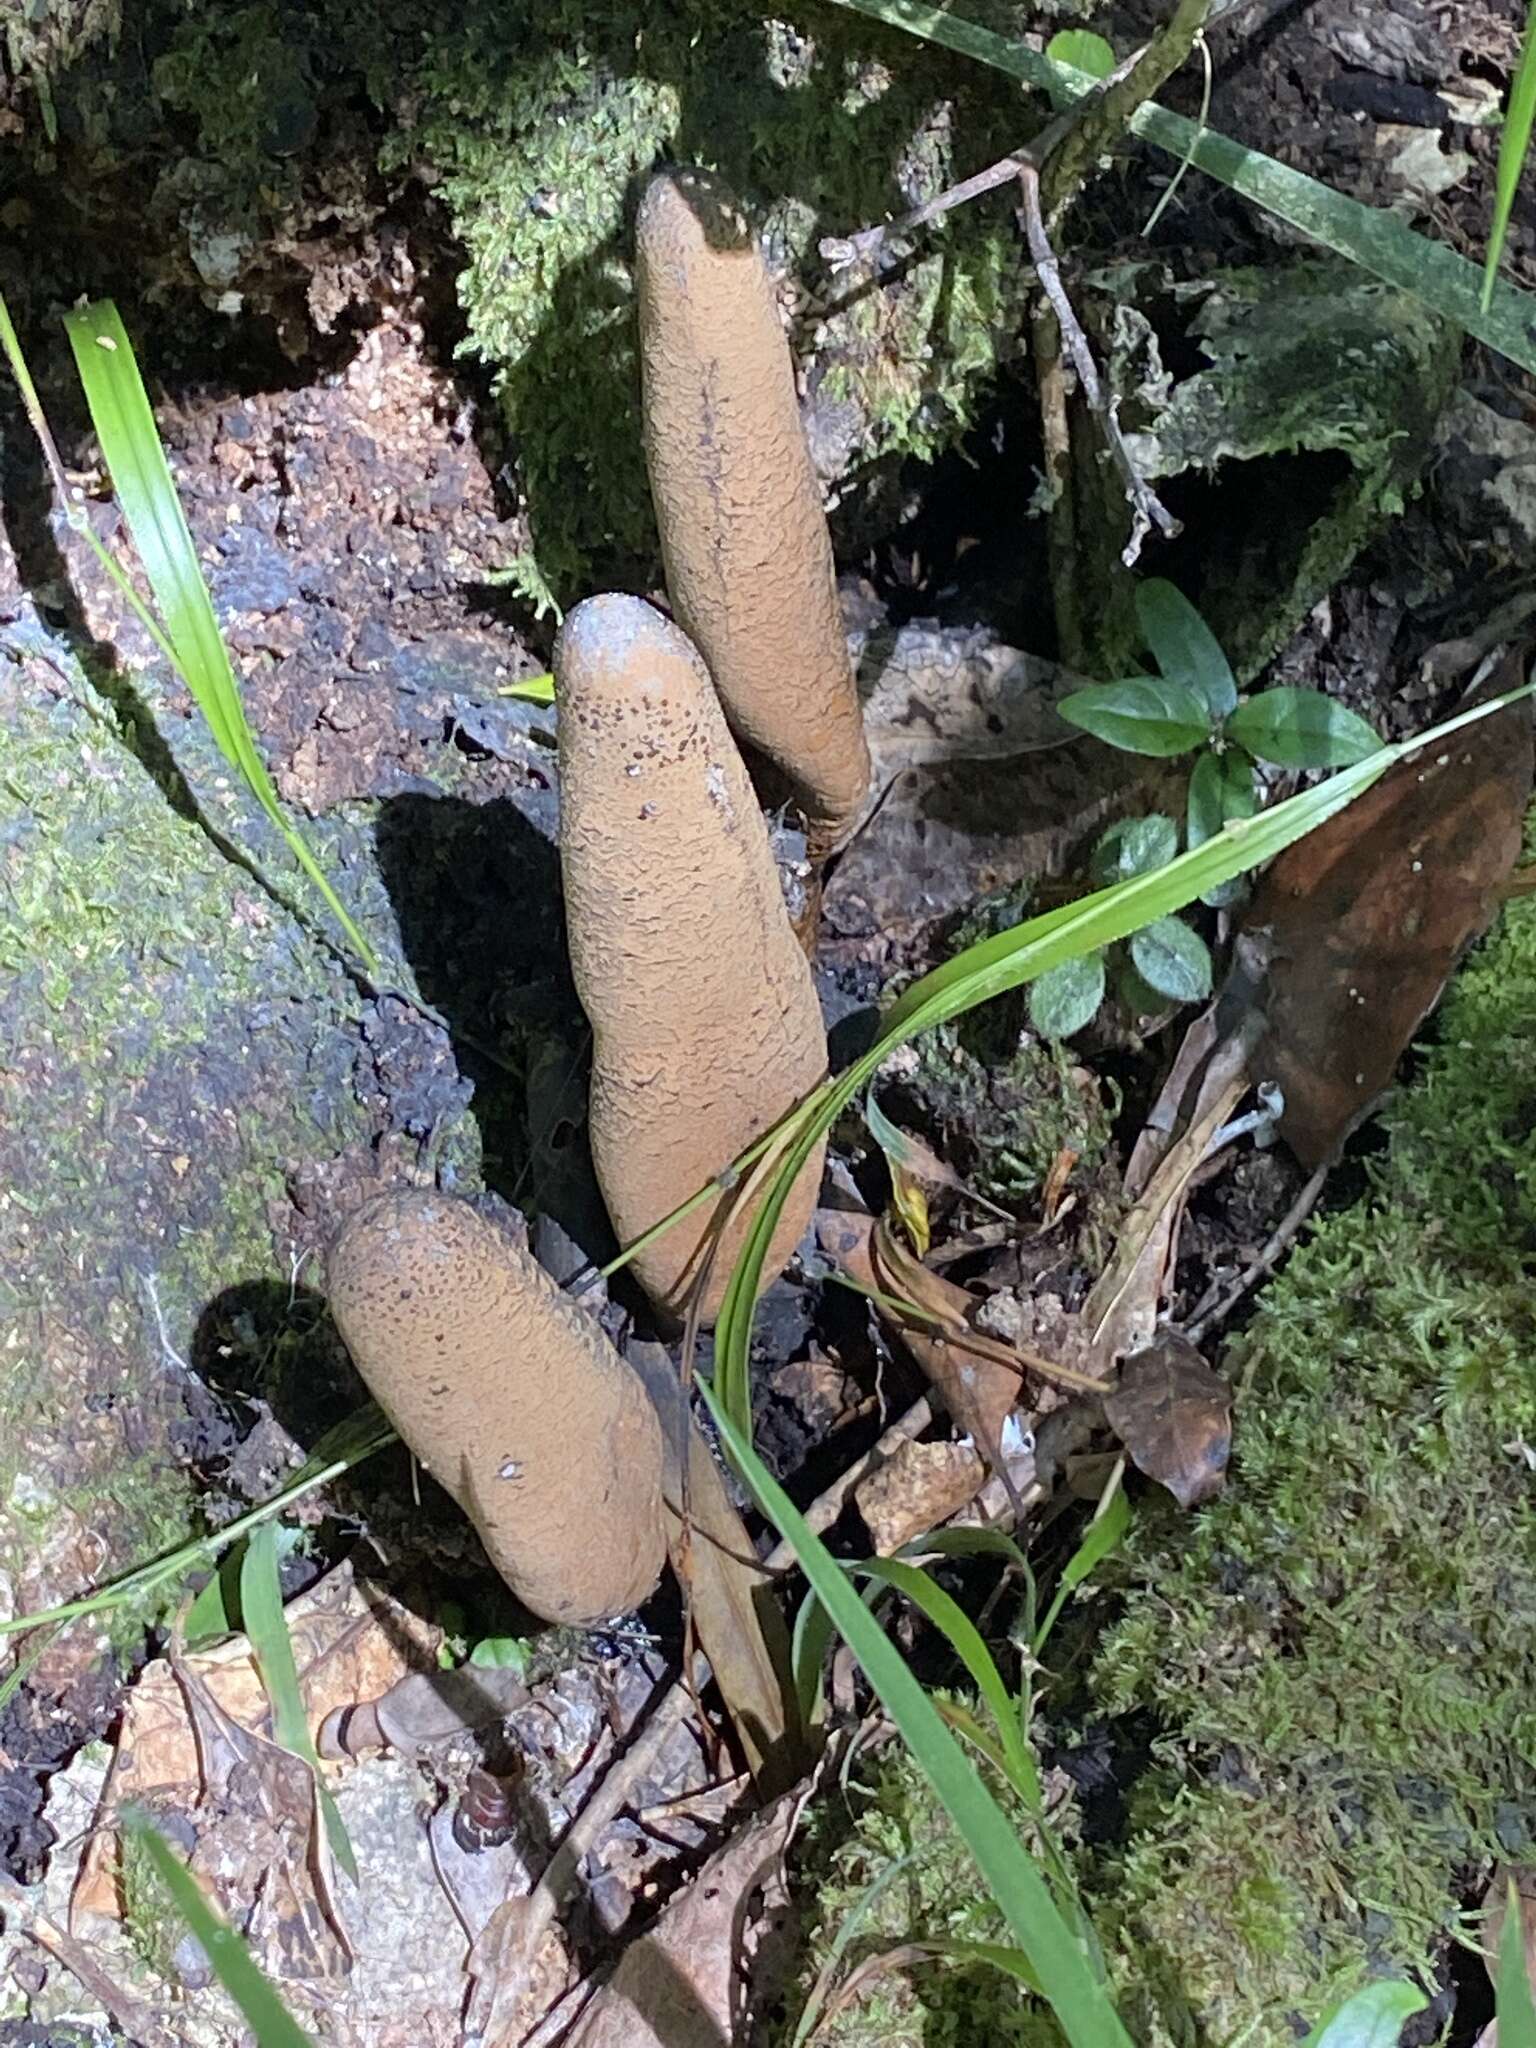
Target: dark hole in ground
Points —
{"points": [[1246, 527]]}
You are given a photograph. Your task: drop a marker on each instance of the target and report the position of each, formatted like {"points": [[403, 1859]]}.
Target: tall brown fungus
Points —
{"points": [[744, 537], [705, 1023], [512, 1398]]}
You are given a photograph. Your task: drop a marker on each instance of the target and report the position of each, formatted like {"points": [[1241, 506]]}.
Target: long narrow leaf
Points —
{"points": [[141, 478], [951, 1619], [339, 1450], [1514, 147], [1052, 1953], [264, 2012], [1514, 2003], [1103, 1534], [1377, 240], [261, 1611]]}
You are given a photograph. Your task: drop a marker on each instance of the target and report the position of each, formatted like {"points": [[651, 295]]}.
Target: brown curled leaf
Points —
{"points": [[1366, 918], [719, 1948], [972, 1374], [735, 1603], [1174, 1417]]}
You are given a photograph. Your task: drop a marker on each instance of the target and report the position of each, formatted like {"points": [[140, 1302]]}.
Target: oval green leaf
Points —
{"points": [[1080, 46], [1065, 998], [1135, 846], [1173, 959], [1183, 645], [1302, 729], [1153, 715], [1373, 2018], [1221, 788]]}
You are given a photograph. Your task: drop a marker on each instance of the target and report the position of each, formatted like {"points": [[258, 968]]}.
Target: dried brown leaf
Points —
{"points": [[918, 1488], [735, 1602], [1366, 917], [968, 1371], [684, 1985], [1174, 1416]]}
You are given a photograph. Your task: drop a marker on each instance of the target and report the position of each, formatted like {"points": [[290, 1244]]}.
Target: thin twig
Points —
{"points": [[1108, 115], [1209, 1312], [1147, 509], [842, 250]]}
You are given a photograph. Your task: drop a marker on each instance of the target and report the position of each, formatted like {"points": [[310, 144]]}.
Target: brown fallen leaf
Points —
{"points": [[1366, 917], [969, 1372], [1174, 1416], [735, 1601], [349, 1643], [716, 1950], [1120, 1315]]}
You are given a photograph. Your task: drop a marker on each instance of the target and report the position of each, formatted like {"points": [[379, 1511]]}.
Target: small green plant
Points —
{"points": [[1191, 703], [183, 625], [1165, 962]]}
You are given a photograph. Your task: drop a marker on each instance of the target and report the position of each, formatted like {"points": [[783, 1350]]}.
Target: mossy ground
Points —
{"points": [[1340, 1653], [170, 1040]]}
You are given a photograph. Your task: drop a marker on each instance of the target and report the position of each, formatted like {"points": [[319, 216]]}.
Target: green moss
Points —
{"points": [[1338, 1656], [1000, 1103], [878, 1866], [537, 130], [1318, 399], [170, 1041], [1343, 1649]]}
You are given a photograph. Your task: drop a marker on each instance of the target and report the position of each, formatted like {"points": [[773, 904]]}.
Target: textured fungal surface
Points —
{"points": [[705, 1023], [744, 537], [511, 1397]]}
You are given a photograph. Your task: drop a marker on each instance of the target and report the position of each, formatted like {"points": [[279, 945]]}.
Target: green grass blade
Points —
{"points": [[852, 1921], [1055, 1956], [1512, 2001], [965, 1639], [231, 1961], [141, 478], [1103, 1534], [1375, 239], [261, 1610], [338, 1451], [1514, 147]]}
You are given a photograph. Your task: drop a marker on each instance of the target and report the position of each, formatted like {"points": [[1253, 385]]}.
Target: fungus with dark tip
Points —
{"points": [[744, 536], [705, 1022], [512, 1398]]}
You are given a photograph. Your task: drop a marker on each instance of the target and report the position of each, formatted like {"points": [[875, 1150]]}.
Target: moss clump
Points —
{"points": [[535, 130], [1340, 1652], [1343, 1649], [1000, 1102]]}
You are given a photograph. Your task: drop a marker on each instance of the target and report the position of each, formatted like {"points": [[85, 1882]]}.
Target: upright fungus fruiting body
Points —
{"points": [[744, 537], [705, 1022], [512, 1398]]}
